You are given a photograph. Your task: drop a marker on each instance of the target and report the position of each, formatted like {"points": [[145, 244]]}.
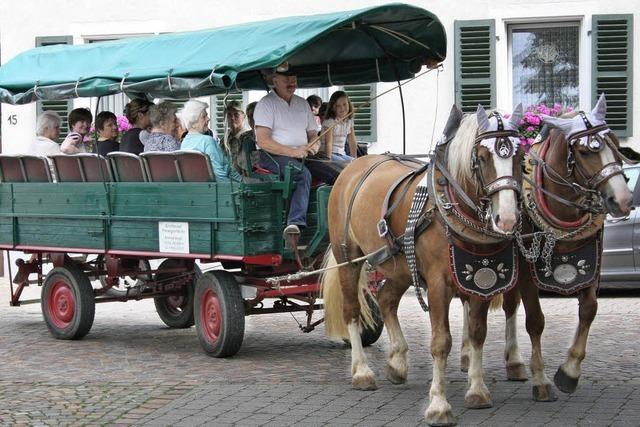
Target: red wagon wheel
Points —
{"points": [[219, 314], [67, 302]]}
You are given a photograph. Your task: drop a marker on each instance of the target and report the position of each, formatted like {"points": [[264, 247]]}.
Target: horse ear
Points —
{"points": [[483, 120], [453, 122], [565, 125], [600, 110], [516, 116]]}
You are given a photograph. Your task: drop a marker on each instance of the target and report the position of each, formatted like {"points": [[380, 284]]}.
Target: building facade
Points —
{"points": [[499, 53]]}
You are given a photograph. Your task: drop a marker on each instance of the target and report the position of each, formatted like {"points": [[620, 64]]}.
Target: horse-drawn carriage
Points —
{"points": [[107, 218], [453, 225]]}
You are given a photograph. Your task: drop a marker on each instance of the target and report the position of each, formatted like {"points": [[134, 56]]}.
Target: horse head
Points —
{"points": [[494, 172], [593, 157]]}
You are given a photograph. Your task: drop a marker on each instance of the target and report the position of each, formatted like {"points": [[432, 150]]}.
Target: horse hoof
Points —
{"points": [[544, 393], [364, 382], [517, 372], [441, 420], [394, 376], [464, 363], [477, 401], [564, 382]]}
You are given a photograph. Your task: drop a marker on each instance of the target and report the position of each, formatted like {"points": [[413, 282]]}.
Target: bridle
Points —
{"points": [[595, 143], [503, 148]]}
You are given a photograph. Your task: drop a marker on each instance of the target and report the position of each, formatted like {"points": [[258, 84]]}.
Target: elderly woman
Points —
{"points": [[163, 126], [196, 120], [47, 132]]}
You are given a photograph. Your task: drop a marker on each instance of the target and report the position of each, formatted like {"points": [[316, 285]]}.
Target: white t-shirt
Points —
{"points": [[43, 147], [341, 131], [289, 122]]}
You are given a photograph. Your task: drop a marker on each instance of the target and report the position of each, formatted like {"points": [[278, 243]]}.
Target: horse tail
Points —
{"points": [[496, 303], [333, 298], [331, 293]]}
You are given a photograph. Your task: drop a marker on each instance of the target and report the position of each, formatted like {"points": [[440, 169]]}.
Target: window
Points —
{"points": [[62, 107], [364, 119], [545, 63]]}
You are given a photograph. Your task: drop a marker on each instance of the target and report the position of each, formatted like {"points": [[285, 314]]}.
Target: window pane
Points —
{"points": [[545, 65]]}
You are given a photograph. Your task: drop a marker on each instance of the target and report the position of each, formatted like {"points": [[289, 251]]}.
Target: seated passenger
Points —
{"points": [[163, 125], [195, 119], [284, 128], [137, 112], [315, 102], [47, 132], [107, 127], [79, 124], [239, 142], [338, 124]]}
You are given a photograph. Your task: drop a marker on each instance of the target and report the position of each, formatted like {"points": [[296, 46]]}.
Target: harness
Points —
{"points": [[569, 271], [433, 174]]}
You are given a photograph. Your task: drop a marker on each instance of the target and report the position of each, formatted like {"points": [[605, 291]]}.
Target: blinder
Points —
{"points": [[503, 148]]}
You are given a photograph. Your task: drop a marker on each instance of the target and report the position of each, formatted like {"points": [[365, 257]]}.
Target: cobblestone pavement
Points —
{"points": [[131, 369]]}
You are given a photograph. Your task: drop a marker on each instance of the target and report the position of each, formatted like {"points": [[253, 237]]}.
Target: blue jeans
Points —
{"points": [[336, 157], [302, 178]]}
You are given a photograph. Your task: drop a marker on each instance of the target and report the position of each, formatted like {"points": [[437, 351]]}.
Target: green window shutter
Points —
{"points": [[217, 110], [61, 107], [475, 64], [364, 121], [611, 69]]}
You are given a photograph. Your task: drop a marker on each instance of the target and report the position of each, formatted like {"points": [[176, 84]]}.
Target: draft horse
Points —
{"points": [[473, 183], [577, 178]]}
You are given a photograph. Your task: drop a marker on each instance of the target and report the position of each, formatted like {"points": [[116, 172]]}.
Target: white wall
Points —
{"points": [[427, 100]]}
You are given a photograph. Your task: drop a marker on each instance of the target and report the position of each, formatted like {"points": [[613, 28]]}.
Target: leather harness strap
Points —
{"points": [[400, 158]]}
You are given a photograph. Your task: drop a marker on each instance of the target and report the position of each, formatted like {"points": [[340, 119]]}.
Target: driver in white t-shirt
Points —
{"points": [[285, 126]]}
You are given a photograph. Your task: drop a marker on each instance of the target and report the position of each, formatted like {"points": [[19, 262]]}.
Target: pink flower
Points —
{"points": [[123, 123], [530, 128], [521, 122], [530, 141]]}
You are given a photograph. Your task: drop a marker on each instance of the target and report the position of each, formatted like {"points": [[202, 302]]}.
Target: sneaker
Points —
{"points": [[290, 229], [290, 235]]}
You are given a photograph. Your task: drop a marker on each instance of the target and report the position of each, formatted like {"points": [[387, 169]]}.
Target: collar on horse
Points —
{"points": [[536, 206]]}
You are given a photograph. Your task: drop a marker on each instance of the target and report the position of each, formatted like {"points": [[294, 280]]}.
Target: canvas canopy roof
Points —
{"points": [[383, 43]]}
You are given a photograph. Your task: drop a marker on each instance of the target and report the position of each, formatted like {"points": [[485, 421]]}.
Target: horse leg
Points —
{"points": [[464, 350], [362, 377], [568, 374], [477, 395], [388, 300], [542, 387], [438, 412], [513, 360]]}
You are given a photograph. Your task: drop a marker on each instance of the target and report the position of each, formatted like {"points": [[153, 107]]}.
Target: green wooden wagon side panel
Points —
{"points": [[223, 218], [60, 232], [6, 210], [69, 215], [51, 199], [261, 213]]}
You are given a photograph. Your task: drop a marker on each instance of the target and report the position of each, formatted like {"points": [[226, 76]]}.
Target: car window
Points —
{"points": [[632, 175]]}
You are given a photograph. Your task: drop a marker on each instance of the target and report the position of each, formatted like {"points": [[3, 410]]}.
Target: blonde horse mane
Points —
{"points": [[460, 148]]}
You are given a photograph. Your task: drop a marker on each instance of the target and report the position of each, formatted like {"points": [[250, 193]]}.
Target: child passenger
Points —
{"points": [[338, 123], [79, 123]]}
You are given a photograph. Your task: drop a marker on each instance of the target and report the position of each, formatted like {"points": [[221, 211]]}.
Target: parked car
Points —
{"points": [[621, 254]]}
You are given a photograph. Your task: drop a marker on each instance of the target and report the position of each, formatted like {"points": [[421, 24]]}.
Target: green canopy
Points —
{"points": [[383, 43]]}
